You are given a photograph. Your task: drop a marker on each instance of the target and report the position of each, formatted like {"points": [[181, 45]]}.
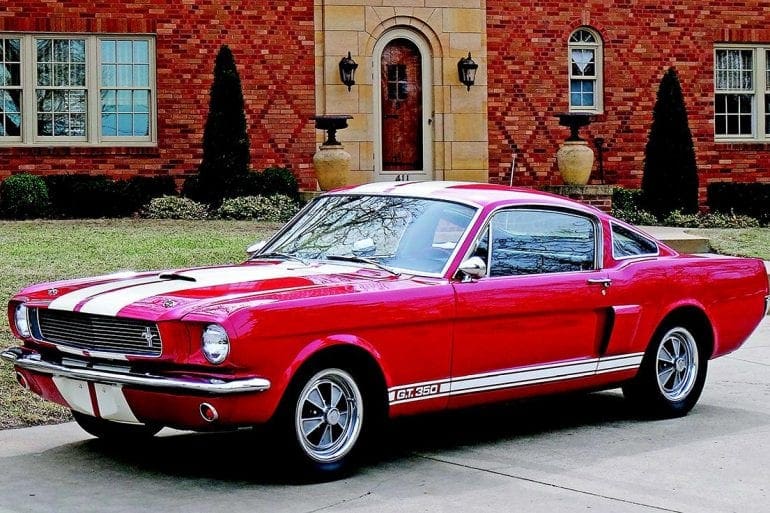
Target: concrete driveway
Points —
{"points": [[577, 453]]}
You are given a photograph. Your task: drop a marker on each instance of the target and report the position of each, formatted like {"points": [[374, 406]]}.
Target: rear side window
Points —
{"points": [[628, 244], [539, 242]]}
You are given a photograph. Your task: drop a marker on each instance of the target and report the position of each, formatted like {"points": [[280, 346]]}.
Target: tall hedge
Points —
{"points": [[225, 162], [670, 180]]}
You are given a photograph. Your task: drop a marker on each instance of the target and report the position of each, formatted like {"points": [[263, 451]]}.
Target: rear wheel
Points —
{"points": [[114, 431], [672, 374]]}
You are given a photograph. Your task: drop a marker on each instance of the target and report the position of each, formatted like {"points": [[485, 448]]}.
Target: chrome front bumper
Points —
{"points": [[33, 362]]}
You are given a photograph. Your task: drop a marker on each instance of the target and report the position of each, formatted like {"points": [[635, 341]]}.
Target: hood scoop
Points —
{"points": [[175, 276]]}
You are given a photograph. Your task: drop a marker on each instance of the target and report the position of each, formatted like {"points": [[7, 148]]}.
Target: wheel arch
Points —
{"points": [[345, 352], [694, 318]]}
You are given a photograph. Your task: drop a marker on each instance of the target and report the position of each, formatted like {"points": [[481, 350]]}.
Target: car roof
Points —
{"points": [[471, 193]]}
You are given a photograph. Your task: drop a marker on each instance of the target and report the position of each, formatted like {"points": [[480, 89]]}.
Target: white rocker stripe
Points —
{"points": [[511, 378], [112, 302]]}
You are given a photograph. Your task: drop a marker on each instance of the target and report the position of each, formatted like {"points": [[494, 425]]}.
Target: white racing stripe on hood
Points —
{"points": [[71, 300], [111, 303]]}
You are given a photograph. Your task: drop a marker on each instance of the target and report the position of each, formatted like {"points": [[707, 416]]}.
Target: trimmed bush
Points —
{"points": [[636, 216], [139, 190], [174, 207], [670, 179], [751, 199], [23, 196], [260, 208], [225, 160], [83, 196], [279, 180], [626, 205]]}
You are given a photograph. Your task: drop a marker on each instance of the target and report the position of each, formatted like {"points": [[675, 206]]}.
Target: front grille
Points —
{"points": [[97, 332]]}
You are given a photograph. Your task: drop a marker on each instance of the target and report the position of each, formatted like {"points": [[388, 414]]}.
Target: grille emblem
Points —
{"points": [[148, 336], [168, 303], [53, 292]]}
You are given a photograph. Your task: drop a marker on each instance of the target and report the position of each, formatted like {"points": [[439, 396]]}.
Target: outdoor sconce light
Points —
{"points": [[348, 71], [466, 69]]}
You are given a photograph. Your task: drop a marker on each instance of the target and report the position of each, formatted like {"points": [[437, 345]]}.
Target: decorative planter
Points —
{"points": [[575, 160], [331, 161], [574, 157], [332, 165]]}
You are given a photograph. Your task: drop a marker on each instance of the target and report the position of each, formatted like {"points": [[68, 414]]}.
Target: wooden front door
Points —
{"points": [[401, 87]]}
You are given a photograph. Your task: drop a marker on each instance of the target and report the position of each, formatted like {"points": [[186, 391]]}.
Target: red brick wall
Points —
{"points": [[527, 56], [273, 47]]}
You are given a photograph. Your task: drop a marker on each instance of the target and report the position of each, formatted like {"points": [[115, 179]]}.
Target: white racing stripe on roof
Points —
{"points": [[111, 303], [418, 189]]}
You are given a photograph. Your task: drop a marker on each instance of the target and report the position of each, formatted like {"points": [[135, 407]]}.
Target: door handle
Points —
{"points": [[604, 282], [391, 116]]}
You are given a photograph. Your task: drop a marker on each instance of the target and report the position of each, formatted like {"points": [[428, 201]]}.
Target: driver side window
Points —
{"points": [[523, 241]]}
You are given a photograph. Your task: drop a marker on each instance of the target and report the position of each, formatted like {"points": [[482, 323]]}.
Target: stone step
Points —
{"points": [[678, 239]]}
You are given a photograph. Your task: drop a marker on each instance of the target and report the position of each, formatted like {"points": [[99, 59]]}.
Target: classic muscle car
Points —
{"points": [[384, 300]]}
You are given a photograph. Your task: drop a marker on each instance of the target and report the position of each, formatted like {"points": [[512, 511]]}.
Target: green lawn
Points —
{"points": [[35, 251], [753, 242]]}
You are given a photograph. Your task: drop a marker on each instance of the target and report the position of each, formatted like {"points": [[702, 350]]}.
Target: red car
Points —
{"points": [[383, 300]]}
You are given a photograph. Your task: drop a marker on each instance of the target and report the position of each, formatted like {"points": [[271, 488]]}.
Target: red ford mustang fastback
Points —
{"points": [[383, 300]]}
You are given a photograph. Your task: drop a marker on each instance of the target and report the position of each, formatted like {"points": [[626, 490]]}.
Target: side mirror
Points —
{"points": [[473, 268], [256, 247]]}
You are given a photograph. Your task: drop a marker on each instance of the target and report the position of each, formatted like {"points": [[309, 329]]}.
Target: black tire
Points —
{"points": [[325, 420], [115, 431], [672, 374]]}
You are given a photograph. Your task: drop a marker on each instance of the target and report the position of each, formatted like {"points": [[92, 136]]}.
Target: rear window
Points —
{"points": [[627, 243]]}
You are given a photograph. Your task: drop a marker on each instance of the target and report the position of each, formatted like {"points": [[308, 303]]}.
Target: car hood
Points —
{"points": [[215, 291]]}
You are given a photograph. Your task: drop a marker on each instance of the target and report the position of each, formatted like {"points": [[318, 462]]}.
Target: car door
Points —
{"points": [[540, 314]]}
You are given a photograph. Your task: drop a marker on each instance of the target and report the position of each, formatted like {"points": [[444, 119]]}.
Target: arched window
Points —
{"points": [[585, 71]]}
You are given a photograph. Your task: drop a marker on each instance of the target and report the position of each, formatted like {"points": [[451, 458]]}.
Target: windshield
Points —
{"points": [[410, 234]]}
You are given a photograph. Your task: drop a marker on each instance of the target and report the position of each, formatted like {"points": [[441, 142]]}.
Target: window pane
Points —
{"points": [[78, 50], [141, 52], [12, 50], [109, 124], [10, 112], [532, 242], [77, 101], [124, 76], [124, 101], [108, 51], [124, 52], [125, 124], [44, 72], [141, 124], [141, 76], [78, 124], [109, 75], [45, 124], [78, 75], [141, 101], [61, 50], [626, 243], [108, 97], [44, 50], [734, 70]]}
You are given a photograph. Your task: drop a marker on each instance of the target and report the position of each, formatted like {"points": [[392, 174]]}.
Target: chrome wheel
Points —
{"points": [[677, 364], [328, 415]]}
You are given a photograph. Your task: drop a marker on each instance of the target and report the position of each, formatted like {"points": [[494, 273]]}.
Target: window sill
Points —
{"points": [[150, 149]]}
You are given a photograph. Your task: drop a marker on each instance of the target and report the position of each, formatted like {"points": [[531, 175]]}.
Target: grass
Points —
{"points": [[753, 242], [37, 251]]}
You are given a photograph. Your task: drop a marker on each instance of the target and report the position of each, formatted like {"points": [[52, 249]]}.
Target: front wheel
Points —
{"points": [[325, 417], [672, 374], [114, 431]]}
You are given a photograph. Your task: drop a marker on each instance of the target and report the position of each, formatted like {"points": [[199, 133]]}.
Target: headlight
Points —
{"points": [[215, 343], [21, 319]]}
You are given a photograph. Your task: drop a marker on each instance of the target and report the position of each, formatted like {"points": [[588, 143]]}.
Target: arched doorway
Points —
{"points": [[403, 117]]}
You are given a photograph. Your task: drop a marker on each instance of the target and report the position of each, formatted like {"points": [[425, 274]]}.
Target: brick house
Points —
{"points": [[121, 88]]}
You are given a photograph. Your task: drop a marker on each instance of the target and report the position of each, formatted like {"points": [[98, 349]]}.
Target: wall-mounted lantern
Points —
{"points": [[466, 69], [348, 71]]}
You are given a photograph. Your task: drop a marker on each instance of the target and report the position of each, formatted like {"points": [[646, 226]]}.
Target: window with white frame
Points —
{"points": [[742, 93], [585, 71], [77, 90]]}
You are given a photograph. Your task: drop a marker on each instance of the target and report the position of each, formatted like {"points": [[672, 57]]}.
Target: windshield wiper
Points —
{"points": [[363, 260], [281, 256]]}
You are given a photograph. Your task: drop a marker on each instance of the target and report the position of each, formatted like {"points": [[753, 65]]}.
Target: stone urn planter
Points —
{"points": [[575, 158], [331, 161]]}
